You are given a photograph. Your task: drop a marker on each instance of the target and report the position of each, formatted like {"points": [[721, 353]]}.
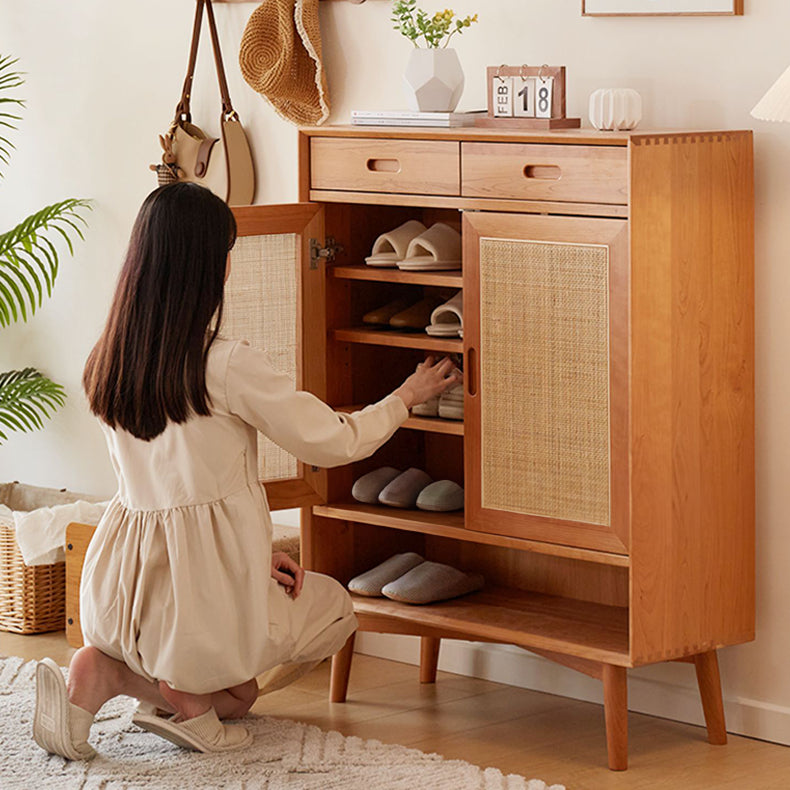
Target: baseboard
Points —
{"points": [[666, 690]]}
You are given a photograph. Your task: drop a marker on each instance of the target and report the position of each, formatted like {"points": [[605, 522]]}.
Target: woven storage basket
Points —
{"points": [[32, 599]]}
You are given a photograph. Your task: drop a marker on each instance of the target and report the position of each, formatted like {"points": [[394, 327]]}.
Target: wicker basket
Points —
{"points": [[32, 599]]}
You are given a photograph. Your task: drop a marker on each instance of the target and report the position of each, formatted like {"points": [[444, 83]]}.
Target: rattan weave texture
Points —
{"points": [[544, 379], [261, 306]]}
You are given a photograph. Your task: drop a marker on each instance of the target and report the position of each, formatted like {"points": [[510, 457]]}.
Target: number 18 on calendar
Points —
{"points": [[523, 97]]}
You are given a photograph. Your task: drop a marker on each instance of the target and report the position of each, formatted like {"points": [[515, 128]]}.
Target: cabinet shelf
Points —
{"points": [[591, 631], [453, 525], [448, 279], [429, 424], [386, 337]]}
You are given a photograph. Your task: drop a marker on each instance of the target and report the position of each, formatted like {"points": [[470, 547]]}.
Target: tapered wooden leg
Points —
{"points": [[707, 666], [615, 704], [341, 669], [429, 658]]}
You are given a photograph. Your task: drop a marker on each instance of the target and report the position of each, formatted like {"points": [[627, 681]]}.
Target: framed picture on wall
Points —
{"points": [[661, 7]]}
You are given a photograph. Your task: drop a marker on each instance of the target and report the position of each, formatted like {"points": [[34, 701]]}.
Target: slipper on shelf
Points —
{"points": [[416, 317], [442, 496], [204, 733], [429, 408], [382, 315], [368, 487], [451, 403], [405, 488], [431, 582], [436, 249], [371, 582], [390, 248], [447, 320], [58, 726]]}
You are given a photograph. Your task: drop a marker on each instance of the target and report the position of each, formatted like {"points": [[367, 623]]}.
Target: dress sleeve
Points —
{"points": [[298, 421]]}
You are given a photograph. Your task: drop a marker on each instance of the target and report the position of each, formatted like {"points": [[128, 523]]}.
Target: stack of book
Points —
{"points": [[409, 118]]}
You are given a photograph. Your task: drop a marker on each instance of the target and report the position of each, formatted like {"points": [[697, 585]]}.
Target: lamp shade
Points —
{"points": [[775, 105]]}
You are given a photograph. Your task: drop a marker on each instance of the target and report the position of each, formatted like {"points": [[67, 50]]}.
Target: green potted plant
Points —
{"points": [[29, 260], [434, 79]]}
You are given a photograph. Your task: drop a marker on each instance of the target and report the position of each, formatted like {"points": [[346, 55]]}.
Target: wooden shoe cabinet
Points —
{"points": [[607, 449]]}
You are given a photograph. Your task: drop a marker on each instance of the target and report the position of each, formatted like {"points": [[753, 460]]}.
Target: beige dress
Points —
{"points": [[176, 581]]}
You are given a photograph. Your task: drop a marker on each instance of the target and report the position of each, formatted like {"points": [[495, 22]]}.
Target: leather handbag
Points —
{"points": [[224, 165]]}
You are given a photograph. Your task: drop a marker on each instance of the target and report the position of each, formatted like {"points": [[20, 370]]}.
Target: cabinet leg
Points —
{"points": [[615, 703], [341, 669], [429, 658], [707, 666]]}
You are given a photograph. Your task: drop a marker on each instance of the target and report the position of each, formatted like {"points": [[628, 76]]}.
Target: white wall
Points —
{"points": [[103, 79]]}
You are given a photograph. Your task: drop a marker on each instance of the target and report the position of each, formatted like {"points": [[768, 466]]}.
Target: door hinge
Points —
{"points": [[328, 251]]}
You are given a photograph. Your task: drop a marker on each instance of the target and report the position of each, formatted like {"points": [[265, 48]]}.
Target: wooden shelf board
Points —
{"points": [[449, 279], [452, 525], [531, 620], [430, 424], [387, 337]]}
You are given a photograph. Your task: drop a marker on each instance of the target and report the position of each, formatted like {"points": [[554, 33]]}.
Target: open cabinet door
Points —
{"points": [[275, 282]]}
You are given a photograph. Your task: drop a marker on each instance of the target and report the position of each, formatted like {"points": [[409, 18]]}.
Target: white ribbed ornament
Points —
{"points": [[613, 109]]}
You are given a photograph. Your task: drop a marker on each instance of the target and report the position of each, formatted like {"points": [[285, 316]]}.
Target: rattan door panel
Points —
{"points": [[270, 288], [545, 333]]}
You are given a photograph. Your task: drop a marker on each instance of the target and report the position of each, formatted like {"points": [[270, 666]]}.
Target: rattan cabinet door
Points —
{"points": [[272, 284], [546, 340]]}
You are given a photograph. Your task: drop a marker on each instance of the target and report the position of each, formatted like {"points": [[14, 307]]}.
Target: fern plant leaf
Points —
{"points": [[29, 260], [9, 80], [27, 398]]}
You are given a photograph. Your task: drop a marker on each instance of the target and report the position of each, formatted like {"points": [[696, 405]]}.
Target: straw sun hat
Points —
{"points": [[280, 58]]}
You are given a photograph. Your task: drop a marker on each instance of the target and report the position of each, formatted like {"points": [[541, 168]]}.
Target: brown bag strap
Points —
{"points": [[183, 107]]}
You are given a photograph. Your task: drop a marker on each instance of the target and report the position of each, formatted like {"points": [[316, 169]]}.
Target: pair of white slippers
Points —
{"points": [[408, 578], [449, 405], [413, 247], [59, 727]]}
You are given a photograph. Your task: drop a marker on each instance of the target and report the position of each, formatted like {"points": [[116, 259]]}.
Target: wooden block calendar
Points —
{"points": [[526, 97]]}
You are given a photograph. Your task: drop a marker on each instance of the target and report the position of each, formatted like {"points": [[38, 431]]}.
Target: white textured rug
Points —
{"points": [[285, 755]]}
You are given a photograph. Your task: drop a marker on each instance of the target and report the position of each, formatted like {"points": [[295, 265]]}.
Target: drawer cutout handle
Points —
{"points": [[383, 165], [543, 172]]}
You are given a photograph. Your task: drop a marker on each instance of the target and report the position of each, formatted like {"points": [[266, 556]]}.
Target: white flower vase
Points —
{"points": [[613, 109], [434, 80]]}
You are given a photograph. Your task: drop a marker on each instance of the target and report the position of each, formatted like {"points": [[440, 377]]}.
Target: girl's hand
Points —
{"points": [[428, 380], [287, 572]]}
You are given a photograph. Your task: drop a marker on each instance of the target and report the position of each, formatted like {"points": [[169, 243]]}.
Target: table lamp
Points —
{"points": [[775, 105]]}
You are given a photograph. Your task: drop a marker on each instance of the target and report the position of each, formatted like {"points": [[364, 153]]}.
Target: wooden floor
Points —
{"points": [[517, 731]]}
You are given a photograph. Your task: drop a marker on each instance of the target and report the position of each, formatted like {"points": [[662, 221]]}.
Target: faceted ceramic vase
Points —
{"points": [[612, 109], [434, 80]]}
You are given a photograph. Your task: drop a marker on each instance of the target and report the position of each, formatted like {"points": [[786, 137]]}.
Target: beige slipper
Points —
{"points": [[368, 487], [58, 726], [371, 582], [432, 582], [390, 247], [204, 733]]}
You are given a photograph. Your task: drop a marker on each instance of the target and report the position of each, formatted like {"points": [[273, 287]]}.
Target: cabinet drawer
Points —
{"points": [[573, 173], [368, 165]]}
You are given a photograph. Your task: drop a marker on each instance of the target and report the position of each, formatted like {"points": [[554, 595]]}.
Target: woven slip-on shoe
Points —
{"points": [[416, 317], [371, 582], [204, 733], [390, 247], [58, 726], [442, 496], [381, 316], [405, 488], [368, 487], [431, 582]]}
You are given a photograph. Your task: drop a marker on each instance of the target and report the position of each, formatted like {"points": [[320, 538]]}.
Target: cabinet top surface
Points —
{"points": [[473, 134]]}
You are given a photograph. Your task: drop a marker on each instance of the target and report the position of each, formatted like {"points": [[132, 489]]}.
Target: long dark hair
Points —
{"points": [[149, 365]]}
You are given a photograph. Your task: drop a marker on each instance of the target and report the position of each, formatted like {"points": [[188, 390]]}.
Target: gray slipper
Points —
{"points": [[405, 488], [441, 497], [371, 582], [369, 486], [431, 582]]}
